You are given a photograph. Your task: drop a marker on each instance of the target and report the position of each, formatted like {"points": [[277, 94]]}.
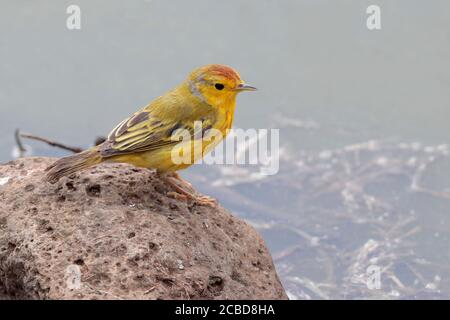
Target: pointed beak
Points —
{"points": [[245, 87]]}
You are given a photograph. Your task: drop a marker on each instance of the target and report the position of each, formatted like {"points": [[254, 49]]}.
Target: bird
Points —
{"points": [[146, 138]]}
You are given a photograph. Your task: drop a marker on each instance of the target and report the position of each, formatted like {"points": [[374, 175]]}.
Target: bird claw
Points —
{"points": [[177, 196], [181, 193], [206, 201]]}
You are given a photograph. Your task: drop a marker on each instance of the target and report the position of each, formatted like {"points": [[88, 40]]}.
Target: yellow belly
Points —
{"points": [[171, 158], [167, 159]]}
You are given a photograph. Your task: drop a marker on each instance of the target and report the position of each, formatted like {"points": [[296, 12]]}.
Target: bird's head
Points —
{"points": [[216, 84]]}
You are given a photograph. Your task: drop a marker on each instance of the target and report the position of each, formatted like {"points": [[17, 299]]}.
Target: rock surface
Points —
{"points": [[112, 232]]}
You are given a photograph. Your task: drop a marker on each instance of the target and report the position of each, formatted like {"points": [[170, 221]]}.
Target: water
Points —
{"points": [[363, 118]]}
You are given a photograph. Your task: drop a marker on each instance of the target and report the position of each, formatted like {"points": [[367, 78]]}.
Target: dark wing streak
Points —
{"points": [[114, 131], [141, 133], [138, 133], [138, 118]]}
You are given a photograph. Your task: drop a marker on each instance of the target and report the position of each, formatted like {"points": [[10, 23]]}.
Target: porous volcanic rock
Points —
{"points": [[118, 232]]}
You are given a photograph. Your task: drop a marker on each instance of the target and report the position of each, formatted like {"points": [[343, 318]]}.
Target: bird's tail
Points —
{"points": [[71, 164]]}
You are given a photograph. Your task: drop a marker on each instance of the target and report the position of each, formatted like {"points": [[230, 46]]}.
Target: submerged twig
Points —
{"points": [[19, 143], [18, 135], [50, 142]]}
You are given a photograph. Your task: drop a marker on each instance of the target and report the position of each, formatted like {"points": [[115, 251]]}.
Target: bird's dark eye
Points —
{"points": [[219, 86]]}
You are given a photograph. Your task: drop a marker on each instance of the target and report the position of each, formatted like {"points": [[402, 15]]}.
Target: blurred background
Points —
{"points": [[363, 116]]}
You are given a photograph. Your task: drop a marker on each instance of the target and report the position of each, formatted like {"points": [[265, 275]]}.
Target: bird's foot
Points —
{"points": [[206, 201], [179, 178], [177, 196], [186, 191]]}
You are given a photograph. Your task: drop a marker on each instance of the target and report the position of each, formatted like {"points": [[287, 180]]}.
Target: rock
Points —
{"points": [[111, 232]]}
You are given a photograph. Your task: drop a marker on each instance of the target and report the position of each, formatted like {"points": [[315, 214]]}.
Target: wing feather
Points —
{"points": [[138, 133], [146, 131]]}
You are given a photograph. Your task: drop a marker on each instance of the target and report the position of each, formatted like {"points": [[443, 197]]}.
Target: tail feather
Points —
{"points": [[71, 164]]}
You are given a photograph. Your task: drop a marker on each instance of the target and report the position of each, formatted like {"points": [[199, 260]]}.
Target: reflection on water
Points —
{"points": [[365, 169], [330, 215]]}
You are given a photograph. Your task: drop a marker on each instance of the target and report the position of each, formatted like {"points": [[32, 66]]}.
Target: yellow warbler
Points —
{"points": [[145, 139]]}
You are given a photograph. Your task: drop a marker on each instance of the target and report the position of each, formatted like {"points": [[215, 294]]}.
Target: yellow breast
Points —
{"points": [[185, 153]]}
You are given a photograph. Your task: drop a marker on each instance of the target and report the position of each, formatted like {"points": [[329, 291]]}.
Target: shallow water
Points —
{"points": [[363, 118]]}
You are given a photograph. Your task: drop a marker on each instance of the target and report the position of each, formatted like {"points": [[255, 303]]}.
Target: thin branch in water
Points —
{"points": [[19, 143], [45, 140]]}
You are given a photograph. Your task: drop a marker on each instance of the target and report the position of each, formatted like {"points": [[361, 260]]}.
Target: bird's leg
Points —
{"points": [[173, 179], [179, 178]]}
